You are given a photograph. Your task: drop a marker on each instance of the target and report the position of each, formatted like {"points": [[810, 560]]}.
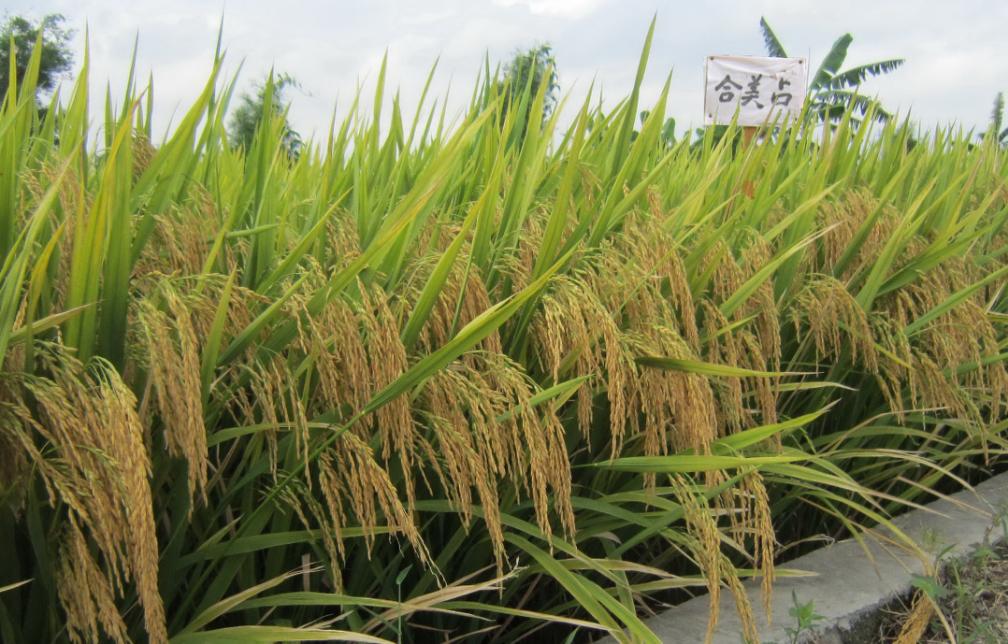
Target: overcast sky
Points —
{"points": [[956, 51]]}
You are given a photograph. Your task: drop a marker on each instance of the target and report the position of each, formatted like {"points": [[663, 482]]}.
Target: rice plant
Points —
{"points": [[481, 380]]}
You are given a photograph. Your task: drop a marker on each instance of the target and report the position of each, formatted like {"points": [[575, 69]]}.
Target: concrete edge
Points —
{"points": [[847, 587]]}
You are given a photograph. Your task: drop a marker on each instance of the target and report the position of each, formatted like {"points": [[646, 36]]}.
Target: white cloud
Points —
{"points": [[955, 51], [561, 8]]}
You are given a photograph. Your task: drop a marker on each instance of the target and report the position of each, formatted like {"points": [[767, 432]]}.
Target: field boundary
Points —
{"points": [[849, 589]]}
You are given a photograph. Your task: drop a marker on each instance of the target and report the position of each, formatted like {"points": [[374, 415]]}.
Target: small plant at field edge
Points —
{"points": [[399, 581], [928, 585], [805, 617], [1001, 519]]}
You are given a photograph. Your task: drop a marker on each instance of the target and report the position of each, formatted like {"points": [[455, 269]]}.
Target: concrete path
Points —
{"points": [[848, 587]]}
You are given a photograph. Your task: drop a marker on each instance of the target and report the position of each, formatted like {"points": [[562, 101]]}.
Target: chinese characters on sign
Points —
{"points": [[761, 90]]}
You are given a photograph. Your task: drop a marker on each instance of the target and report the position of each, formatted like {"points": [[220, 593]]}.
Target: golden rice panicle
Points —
{"points": [[355, 349], [350, 477], [462, 409], [637, 279], [622, 394], [750, 339], [836, 322], [727, 276], [182, 238], [72, 198], [143, 152], [620, 370], [90, 419], [538, 459], [688, 397], [59, 406], [342, 240], [453, 457], [432, 239], [14, 439], [173, 366], [17, 428], [740, 503], [278, 405], [750, 631], [705, 544], [764, 535], [484, 431], [656, 389], [318, 514], [474, 300], [714, 565], [762, 388], [931, 388], [296, 415], [763, 304], [85, 593], [574, 328], [630, 306], [723, 348], [559, 330], [141, 538], [965, 335], [265, 406], [844, 217], [387, 361], [521, 264], [555, 470], [895, 359], [747, 506], [463, 298], [928, 365], [682, 298], [14, 359], [333, 340]]}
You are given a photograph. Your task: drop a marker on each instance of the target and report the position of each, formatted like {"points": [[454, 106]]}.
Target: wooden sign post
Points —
{"points": [[748, 133]]}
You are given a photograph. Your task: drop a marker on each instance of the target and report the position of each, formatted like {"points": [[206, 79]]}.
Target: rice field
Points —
{"points": [[471, 379]]}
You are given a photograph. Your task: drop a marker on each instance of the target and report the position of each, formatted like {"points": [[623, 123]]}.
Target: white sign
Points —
{"points": [[761, 90]]}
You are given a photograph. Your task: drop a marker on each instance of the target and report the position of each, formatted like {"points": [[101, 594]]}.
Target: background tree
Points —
{"points": [[533, 68], [524, 75], [56, 59], [832, 91], [252, 106], [995, 131], [667, 136]]}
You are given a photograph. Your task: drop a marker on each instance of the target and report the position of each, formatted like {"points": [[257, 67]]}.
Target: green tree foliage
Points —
{"points": [[266, 98], [995, 130], [831, 90], [667, 136], [532, 69], [524, 75], [23, 34]]}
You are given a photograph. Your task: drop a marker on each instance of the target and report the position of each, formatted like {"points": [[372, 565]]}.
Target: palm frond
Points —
{"points": [[835, 102], [773, 44], [857, 75], [833, 61]]}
